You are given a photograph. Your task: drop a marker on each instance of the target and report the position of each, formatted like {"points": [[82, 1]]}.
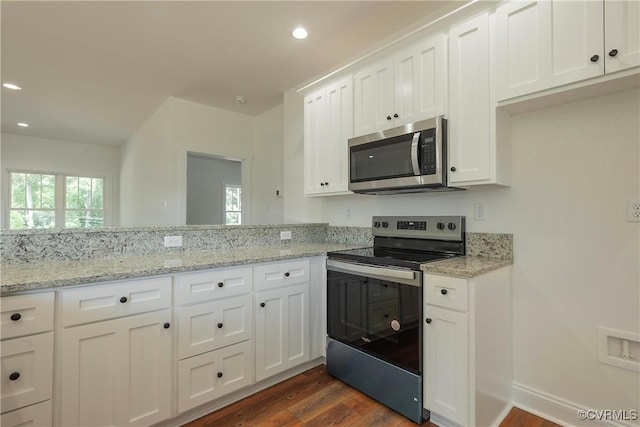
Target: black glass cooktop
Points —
{"points": [[388, 257]]}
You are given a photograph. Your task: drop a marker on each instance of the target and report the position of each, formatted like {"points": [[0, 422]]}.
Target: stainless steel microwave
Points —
{"points": [[406, 159]]}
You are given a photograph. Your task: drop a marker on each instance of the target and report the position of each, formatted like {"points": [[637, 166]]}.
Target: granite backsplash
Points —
{"points": [[23, 246]]}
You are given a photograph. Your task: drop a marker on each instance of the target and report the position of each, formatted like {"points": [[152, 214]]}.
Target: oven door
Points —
{"points": [[377, 310]]}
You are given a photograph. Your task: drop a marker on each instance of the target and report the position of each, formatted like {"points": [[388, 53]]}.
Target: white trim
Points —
{"points": [[554, 408]]}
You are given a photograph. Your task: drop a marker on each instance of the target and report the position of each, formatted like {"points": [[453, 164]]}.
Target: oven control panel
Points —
{"points": [[420, 227]]}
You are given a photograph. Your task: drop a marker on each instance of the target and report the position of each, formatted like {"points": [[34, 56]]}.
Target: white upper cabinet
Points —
{"points": [[404, 88], [328, 124], [548, 43], [471, 155], [621, 34]]}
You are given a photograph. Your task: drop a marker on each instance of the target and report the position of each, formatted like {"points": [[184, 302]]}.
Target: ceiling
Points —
{"points": [[93, 71]]}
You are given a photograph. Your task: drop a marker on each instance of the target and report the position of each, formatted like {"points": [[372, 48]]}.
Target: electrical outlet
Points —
{"points": [[479, 212], [172, 241], [633, 210], [285, 235]]}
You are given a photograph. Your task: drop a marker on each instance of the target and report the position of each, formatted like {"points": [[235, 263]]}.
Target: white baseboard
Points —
{"points": [[555, 409]]}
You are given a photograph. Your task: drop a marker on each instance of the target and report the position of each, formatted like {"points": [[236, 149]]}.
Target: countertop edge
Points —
{"points": [[465, 266]]}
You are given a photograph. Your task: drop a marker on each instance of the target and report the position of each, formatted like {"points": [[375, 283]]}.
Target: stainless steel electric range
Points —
{"points": [[374, 307]]}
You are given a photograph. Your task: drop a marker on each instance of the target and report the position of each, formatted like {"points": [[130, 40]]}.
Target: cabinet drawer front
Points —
{"points": [[26, 314], [214, 374], [447, 292], [102, 302], [269, 276], [215, 284], [34, 415], [212, 325], [27, 371]]}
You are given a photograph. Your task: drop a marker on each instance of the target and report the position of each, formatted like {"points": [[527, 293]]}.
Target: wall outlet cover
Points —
{"points": [[172, 241], [285, 235]]}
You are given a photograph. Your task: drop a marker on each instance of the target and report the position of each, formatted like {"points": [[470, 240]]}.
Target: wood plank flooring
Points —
{"points": [[316, 399]]}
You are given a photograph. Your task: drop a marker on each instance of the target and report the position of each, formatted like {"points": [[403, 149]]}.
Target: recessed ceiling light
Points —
{"points": [[241, 100], [11, 86], [23, 125], [299, 33]]}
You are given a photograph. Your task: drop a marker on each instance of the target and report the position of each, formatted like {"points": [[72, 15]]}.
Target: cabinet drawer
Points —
{"points": [[215, 324], [26, 371], [102, 302], [269, 276], [447, 292], [214, 284], [34, 415], [214, 374], [26, 314]]}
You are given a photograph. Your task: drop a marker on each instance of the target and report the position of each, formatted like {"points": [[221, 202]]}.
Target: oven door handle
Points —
{"points": [[390, 274], [415, 163]]}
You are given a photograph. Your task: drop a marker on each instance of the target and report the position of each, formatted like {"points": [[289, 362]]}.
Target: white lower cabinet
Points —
{"points": [[27, 371], [34, 415], [215, 324], [117, 372], [467, 348], [446, 341], [282, 329], [211, 375]]}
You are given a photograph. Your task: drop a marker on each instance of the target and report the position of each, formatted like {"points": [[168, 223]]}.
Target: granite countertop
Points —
{"points": [[45, 275], [465, 266], [54, 274]]}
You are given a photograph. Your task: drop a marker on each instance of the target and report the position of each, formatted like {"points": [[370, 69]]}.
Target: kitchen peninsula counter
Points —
{"points": [[55, 274]]}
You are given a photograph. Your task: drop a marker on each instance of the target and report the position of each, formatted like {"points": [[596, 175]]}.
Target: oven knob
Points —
{"points": [[376, 224], [451, 226], [440, 226], [385, 224]]}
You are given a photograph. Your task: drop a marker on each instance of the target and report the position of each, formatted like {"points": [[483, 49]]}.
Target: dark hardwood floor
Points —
{"points": [[316, 399]]}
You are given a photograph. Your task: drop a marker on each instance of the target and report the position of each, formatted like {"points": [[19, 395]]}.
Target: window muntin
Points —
{"points": [[232, 204]]}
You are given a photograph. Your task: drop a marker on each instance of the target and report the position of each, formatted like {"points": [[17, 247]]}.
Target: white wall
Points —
{"points": [[155, 158], [49, 155], [268, 167], [148, 194], [576, 257]]}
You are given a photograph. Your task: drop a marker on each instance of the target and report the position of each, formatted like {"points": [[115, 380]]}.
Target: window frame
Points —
{"points": [[60, 197], [224, 201]]}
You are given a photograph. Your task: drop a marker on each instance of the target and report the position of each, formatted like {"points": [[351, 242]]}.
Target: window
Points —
{"points": [[33, 197], [83, 204], [232, 204], [46, 200]]}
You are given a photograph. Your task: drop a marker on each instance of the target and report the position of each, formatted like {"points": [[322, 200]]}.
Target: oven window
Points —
{"points": [[390, 158], [377, 316]]}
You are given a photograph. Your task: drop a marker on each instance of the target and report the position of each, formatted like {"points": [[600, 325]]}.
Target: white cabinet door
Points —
{"points": [[419, 77], [27, 370], [622, 34], [471, 157], [545, 44], [373, 98], [339, 121], [446, 374], [211, 375], [282, 329], [211, 325], [117, 372], [213, 284], [34, 415], [314, 140], [26, 314]]}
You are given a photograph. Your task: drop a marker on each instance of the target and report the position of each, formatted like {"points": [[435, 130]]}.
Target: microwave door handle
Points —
{"points": [[415, 142]]}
